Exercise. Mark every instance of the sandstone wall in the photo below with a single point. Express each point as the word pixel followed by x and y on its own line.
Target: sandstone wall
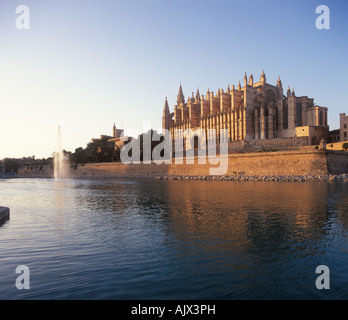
pixel 33 172
pixel 118 169
pixel 337 162
pixel 299 162
pixel 270 163
pixel 335 145
pixel 276 143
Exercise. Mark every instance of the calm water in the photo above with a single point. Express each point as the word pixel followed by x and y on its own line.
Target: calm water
pixel 173 239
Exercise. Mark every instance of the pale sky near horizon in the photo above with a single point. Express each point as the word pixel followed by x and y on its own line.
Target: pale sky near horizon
pixel 84 65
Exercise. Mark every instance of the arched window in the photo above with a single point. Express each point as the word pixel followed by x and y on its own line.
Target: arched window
pixel 195 142
pixel 299 114
pixel 321 118
pixel 285 115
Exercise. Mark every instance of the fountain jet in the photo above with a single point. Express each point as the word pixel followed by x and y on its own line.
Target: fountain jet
pixel 60 165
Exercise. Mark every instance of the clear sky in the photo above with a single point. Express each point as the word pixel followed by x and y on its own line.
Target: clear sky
pixel 86 64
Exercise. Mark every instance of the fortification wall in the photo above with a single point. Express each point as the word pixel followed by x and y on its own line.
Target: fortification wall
pixel 36 172
pixel 276 143
pixel 338 146
pixel 337 162
pixel 298 162
pixel 268 163
pixel 118 169
pixel 98 170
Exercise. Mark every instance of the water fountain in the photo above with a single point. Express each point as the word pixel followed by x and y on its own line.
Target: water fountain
pixel 60 165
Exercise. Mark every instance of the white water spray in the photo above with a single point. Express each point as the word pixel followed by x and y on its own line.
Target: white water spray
pixel 61 168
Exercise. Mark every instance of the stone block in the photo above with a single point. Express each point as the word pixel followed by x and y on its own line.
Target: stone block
pixel 4 214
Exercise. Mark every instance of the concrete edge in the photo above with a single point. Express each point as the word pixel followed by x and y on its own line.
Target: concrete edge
pixel 4 213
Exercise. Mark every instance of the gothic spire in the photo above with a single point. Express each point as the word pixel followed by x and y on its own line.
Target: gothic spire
pixel 263 78
pixel 198 97
pixel 245 79
pixel 208 94
pixel 251 80
pixel 180 97
pixel 166 106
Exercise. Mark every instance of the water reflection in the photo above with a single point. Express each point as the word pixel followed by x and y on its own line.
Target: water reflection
pixel 247 212
pixel 113 196
pixel 224 216
pixel 254 231
pixel 60 188
pixel 146 239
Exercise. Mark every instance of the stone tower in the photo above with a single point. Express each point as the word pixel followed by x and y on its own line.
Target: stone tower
pixel 114 131
pixel 166 116
pixel 180 98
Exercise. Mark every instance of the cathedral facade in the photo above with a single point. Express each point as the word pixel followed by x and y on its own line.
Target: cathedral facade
pixel 256 110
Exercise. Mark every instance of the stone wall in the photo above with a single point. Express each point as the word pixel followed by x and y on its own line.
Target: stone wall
pixel 35 172
pixel 276 143
pixel 265 163
pixel 337 162
pixel 297 162
pixel 335 145
pixel 118 169
pixel 314 134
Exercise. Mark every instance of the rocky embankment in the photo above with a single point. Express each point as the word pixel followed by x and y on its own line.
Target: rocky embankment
pixel 275 178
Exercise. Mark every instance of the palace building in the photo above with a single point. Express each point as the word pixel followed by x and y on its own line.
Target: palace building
pixel 117 137
pixel 254 111
pixel 343 127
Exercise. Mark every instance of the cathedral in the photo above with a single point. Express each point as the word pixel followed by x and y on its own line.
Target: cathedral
pixel 254 111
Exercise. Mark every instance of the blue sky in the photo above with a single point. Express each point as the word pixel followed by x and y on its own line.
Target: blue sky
pixel 84 65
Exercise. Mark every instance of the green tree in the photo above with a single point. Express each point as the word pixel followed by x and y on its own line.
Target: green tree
pixel 79 156
pixel 100 150
pixel 11 165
